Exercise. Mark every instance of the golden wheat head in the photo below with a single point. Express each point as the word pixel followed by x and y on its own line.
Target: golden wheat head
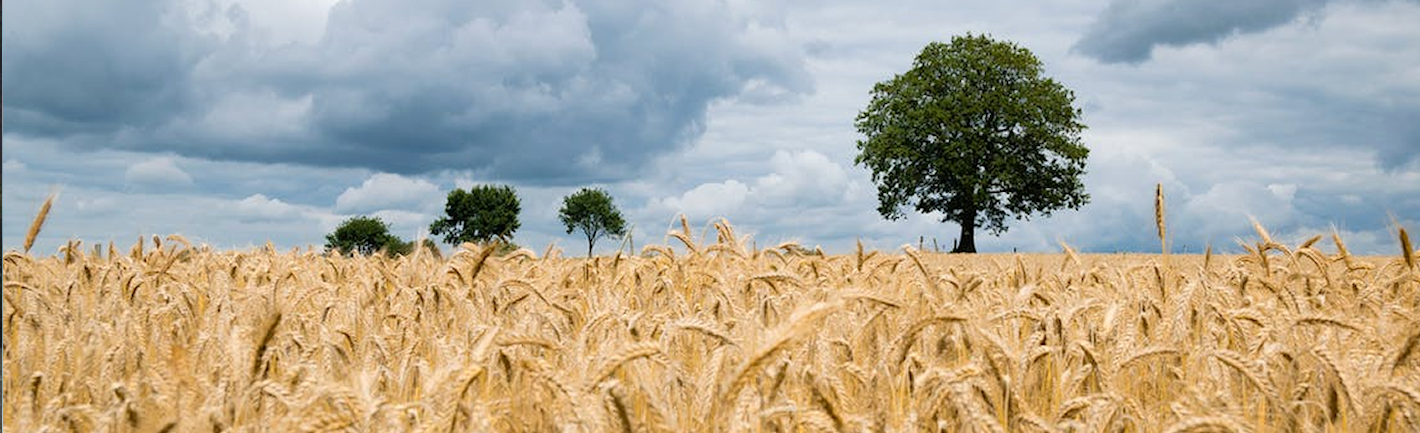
pixel 33 232
pixel 1407 252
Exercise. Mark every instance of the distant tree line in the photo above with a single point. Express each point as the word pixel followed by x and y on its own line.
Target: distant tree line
pixel 369 235
pixel 484 215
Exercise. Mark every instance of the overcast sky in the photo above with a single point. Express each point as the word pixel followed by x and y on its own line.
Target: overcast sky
pixel 238 122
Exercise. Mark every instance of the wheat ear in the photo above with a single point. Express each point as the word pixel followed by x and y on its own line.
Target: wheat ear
pixel 1212 423
pixel 1308 243
pixel 1341 247
pixel 38 222
pixel 799 324
pixel 1407 252
pixel 1159 216
pixel 1145 353
pixel 1262 232
pixel 1406 349
pixel 1070 254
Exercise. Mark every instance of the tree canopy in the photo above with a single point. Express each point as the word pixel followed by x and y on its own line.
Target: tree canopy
pixel 364 235
pixel 976 132
pixel 482 214
pixel 592 212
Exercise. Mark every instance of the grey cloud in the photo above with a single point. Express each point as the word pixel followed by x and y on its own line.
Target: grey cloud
pixel 523 91
pixel 1311 115
pixel 1128 30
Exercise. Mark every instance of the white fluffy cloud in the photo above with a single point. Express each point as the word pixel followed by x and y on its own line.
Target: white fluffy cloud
pixel 405 224
pixel 259 207
pixel 13 165
pixel 799 180
pixel 709 200
pixel 384 191
pixel 802 179
pixel 277 21
pixel 160 172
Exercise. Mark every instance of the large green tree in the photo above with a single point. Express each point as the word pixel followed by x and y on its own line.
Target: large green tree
pixel 482 214
pixel 976 132
pixel 592 212
pixel 364 235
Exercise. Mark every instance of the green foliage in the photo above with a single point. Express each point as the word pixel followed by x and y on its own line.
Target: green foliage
pixel 592 212
pixel 364 235
pixel 506 248
pixel 801 250
pixel 430 246
pixel 404 248
pixel 974 131
pixel 481 214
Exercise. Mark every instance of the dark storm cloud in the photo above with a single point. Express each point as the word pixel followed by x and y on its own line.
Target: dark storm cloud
pixel 545 92
pixel 1293 119
pixel 1297 88
pixel 1128 30
pixel 1390 130
pixel 76 67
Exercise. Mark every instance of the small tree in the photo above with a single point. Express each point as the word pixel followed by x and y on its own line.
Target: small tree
pixel 363 235
pixel 592 212
pixel 481 214
pixel 974 131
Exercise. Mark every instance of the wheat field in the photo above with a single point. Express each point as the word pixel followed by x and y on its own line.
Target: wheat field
pixel 709 335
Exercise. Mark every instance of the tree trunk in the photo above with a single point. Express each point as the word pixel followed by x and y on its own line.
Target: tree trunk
pixel 590 241
pixel 968 234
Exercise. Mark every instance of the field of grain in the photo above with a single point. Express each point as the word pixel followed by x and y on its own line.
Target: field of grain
pixel 709 336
